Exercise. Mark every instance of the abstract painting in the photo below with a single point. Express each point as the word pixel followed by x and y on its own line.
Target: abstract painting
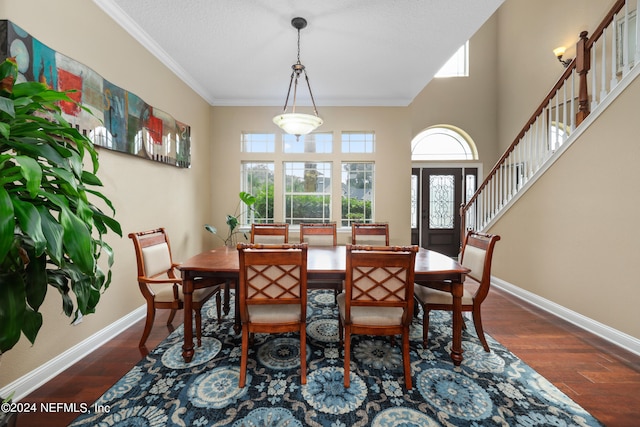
pixel 119 120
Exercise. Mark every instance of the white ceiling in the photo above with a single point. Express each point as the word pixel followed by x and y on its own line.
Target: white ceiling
pixel 356 52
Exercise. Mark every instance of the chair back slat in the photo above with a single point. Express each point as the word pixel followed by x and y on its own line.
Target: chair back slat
pixel 319 234
pixel 270 233
pixel 370 234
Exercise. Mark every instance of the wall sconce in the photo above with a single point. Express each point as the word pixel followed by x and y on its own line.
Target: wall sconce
pixel 559 52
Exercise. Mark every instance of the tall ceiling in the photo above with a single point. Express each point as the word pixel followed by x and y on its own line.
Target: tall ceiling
pixel 356 52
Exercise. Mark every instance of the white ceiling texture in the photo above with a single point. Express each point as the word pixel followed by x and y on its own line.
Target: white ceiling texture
pixel 356 52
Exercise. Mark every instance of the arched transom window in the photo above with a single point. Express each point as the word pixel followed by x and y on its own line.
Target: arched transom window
pixel 443 143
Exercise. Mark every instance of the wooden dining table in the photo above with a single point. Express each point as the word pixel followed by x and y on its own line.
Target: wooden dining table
pixel 323 263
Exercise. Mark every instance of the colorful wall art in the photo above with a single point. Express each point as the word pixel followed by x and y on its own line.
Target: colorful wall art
pixel 120 120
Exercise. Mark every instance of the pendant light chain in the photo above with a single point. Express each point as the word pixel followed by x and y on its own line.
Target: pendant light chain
pixel 296 123
pixel 298 45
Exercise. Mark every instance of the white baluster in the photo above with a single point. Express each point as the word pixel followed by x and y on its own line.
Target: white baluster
pixel 603 89
pixel 637 55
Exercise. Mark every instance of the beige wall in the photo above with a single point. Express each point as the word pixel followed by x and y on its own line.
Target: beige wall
pixel 145 194
pixel 528 31
pixel 469 103
pixel 572 238
pixel 392 160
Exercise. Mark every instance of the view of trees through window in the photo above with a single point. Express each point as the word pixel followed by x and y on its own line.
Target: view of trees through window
pixel 307 192
pixel 257 179
pixel 357 193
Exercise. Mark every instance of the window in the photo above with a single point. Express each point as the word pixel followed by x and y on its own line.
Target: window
pixel 443 143
pixel 308 179
pixel 626 36
pixel 558 133
pixel 258 142
pixel 307 192
pixel 358 142
pixel 414 201
pixel 311 143
pixel 441 201
pixel 357 193
pixel 457 65
pixel 257 179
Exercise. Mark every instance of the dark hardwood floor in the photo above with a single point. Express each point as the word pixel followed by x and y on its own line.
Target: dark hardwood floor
pixel 601 377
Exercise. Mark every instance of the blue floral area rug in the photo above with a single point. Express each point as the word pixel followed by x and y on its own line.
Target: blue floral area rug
pixel 493 388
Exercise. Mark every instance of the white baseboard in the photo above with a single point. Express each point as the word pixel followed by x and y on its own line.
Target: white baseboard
pixel 34 379
pixel 614 336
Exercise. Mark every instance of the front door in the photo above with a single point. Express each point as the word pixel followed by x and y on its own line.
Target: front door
pixel 441 193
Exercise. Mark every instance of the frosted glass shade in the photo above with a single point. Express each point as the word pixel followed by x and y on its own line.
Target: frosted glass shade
pixel 296 123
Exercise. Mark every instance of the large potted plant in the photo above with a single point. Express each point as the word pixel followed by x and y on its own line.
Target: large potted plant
pixel 51 233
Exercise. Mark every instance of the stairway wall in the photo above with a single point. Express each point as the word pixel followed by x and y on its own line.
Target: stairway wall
pixel 572 237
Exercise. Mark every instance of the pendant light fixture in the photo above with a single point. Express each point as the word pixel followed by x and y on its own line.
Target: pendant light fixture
pixel 297 123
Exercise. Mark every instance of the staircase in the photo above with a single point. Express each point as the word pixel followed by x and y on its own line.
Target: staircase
pixel 604 65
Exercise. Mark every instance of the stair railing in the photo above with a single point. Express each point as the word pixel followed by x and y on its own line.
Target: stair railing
pixel 601 61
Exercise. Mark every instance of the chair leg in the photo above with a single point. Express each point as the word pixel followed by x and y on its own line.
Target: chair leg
pixel 406 357
pixel 477 322
pixel 425 326
pixel 198 326
pixel 244 356
pixel 219 306
pixel 303 353
pixel 151 315
pixel 347 356
pixel 227 296
pixel 172 316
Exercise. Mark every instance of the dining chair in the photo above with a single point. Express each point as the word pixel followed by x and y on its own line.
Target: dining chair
pixel 161 286
pixel 270 233
pixel 476 255
pixel 378 298
pixel 370 234
pixel 272 295
pixel 321 234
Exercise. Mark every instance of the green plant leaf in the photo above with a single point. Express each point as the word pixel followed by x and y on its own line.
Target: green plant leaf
pixel 31 324
pixel 12 307
pixel 232 222
pixel 36 280
pixel 30 222
pixel 248 198
pixel 91 179
pixel 59 280
pixel 52 231
pixel 32 173
pixel 6 105
pixel 28 89
pixel 77 241
pixel 7 223
pixel 35 148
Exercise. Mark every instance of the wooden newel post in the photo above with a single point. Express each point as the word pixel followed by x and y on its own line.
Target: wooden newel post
pixel 583 63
